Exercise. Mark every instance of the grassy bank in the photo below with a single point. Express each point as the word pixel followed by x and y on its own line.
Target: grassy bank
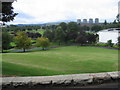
pixel 62 60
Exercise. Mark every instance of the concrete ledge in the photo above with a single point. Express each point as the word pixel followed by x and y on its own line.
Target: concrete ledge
pixel 61 80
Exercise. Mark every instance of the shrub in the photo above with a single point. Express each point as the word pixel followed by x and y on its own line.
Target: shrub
pixel 6 40
pixel 43 42
pixel 22 41
pixel 115 46
pixel 102 44
pixel 109 43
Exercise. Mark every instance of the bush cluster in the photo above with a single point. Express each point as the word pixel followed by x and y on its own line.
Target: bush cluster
pixel 108 44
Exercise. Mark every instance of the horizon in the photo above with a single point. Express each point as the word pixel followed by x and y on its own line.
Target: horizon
pixel 47 11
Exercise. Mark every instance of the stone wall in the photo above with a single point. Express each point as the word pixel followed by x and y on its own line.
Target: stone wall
pixel 60 80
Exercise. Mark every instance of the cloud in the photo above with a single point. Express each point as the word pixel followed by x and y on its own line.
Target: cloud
pixel 39 11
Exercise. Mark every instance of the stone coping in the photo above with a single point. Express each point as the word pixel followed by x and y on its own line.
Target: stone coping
pixel 60 80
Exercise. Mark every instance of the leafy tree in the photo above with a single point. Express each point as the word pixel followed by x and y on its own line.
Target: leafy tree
pixel 119 41
pixel 114 22
pixel 91 38
pixel 22 41
pixel 105 23
pixel 72 27
pixel 118 17
pixel 63 26
pixel 6 39
pixel 96 28
pixel 85 28
pixel 59 35
pixel 109 43
pixel 72 31
pixel 42 42
pixel 50 34
pixel 7 12
pixel 81 38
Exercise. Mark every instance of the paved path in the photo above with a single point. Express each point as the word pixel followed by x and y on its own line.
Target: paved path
pixel 27 50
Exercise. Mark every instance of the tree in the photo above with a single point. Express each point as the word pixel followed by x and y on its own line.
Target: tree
pixel 109 43
pixel 22 41
pixel 91 38
pixel 85 28
pixel 59 35
pixel 7 12
pixel 72 27
pixel 117 17
pixel 72 31
pixel 96 28
pixel 42 42
pixel 50 34
pixel 6 39
pixel 63 26
pixel 81 38
pixel 105 23
pixel 114 22
pixel 119 41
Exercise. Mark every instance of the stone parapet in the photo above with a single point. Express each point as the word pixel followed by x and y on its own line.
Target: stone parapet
pixel 61 80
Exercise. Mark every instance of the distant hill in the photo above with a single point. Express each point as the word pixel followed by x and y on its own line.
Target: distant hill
pixel 49 23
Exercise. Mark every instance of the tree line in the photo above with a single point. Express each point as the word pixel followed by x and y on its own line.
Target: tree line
pixel 64 33
pixel 22 41
pixel 92 28
pixel 70 33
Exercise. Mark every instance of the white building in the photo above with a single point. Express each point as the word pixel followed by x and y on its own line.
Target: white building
pixel 109 34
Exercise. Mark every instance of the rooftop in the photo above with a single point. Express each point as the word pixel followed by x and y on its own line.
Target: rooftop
pixel 111 30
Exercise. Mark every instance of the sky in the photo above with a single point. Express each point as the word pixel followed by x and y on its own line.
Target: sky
pixel 43 11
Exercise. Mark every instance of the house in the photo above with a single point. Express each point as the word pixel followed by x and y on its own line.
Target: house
pixel 109 34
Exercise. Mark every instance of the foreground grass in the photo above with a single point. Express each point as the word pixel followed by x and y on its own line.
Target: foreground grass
pixel 62 60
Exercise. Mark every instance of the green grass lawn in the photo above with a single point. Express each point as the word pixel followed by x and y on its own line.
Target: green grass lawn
pixel 62 60
pixel 41 31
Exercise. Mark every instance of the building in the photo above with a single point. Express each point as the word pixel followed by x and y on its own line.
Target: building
pixel 109 34
pixel 90 20
pixel 96 20
pixel 84 21
pixel 78 21
pixel 88 23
